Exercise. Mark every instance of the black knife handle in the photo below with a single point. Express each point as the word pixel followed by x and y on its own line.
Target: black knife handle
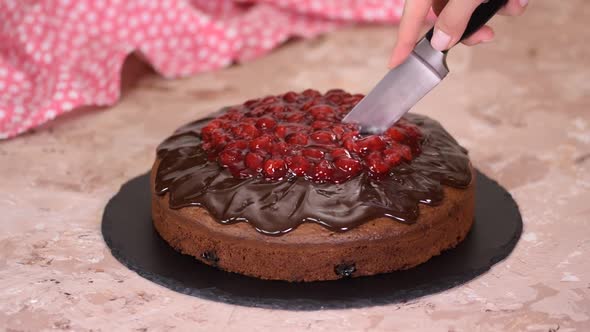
pixel 482 14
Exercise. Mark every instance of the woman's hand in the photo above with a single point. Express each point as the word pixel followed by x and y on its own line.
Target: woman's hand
pixel 453 16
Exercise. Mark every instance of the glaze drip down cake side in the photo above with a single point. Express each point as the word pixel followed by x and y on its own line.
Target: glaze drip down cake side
pixel 279 188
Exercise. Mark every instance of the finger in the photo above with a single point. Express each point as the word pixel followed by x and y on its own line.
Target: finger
pixel 514 8
pixel 483 35
pixel 451 23
pixel 413 17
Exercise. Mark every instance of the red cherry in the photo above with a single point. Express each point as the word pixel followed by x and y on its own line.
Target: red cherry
pixel 290 97
pixel 263 143
pixel 276 109
pixel 350 144
pixel 321 112
pixel 371 143
pixel 233 116
pixel 309 104
pixel 211 126
pixel 348 165
pixel 406 152
pixel 338 131
pixel 257 112
pixel 313 153
pixel 250 131
pixel 247 131
pixel 215 123
pixel 335 92
pixel 296 117
pixel 311 93
pixel 249 121
pixel 229 157
pixel 395 134
pixel 218 139
pixel 253 161
pixel 392 156
pixel 376 164
pixel 323 171
pixel 266 123
pixel 323 137
pixel 349 135
pixel 281 131
pixel 238 145
pixel 208 130
pixel 319 124
pixel 335 98
pixel 279 149
pixel 339 153
pixel 354 99
pixel 269 100
pixel 275 169
pixel 296 138
pixel 252 103
pixel 298 165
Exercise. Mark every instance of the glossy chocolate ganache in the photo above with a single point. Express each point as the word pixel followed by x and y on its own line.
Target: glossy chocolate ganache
pixel 281 161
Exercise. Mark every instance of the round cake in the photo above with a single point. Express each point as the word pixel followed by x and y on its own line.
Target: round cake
pixel 279 188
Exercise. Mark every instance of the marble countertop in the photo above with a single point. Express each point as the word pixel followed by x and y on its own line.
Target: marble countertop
pixel 521 105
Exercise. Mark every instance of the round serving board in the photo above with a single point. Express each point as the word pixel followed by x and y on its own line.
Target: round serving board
pixel 128 231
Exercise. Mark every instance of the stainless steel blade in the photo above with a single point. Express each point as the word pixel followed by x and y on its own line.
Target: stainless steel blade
pixel 400 89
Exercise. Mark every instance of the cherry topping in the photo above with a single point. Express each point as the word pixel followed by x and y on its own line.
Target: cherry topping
pixel 348 167
pixel 321 124
pixel 392 156
pixel 311 93
pixel 296 138
pixel 247 131
pixel 280 149
pixel 296 117
pixel 263 143
pixel 266 123
pixel 290 97
pixel 323 171
pixel 340 152
pixel 238 145
pixel 301 135
pixel 323 137
pixel 254 161
pixel 370 143
pixel 281 131
pixel 321 112
pixel 376 164
pixel 313 153
pixel 275 169
pixel 298 165
pixel 229 157
pixel 395 134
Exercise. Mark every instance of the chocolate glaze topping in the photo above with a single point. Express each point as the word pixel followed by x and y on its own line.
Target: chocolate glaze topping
pixel 275 207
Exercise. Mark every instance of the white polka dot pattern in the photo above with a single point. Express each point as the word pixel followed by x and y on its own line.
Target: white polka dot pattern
pixel 57 55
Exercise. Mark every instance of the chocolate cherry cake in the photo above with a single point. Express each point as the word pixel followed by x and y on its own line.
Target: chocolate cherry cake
pixel 279 188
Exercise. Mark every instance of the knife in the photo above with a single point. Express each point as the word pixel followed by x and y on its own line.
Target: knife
pixel 403 86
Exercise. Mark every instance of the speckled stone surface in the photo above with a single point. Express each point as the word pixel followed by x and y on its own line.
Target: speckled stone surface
pixel 521 105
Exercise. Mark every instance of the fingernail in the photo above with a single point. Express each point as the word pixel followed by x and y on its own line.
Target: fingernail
pixel 523 3
pixel 440 40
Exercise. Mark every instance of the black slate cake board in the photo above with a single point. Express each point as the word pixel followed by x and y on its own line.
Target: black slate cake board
pixel 128 231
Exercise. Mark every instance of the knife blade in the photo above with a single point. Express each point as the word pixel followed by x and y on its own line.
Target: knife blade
pixel 405 85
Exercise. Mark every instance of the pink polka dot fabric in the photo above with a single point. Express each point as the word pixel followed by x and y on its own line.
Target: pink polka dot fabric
pixel 57 55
